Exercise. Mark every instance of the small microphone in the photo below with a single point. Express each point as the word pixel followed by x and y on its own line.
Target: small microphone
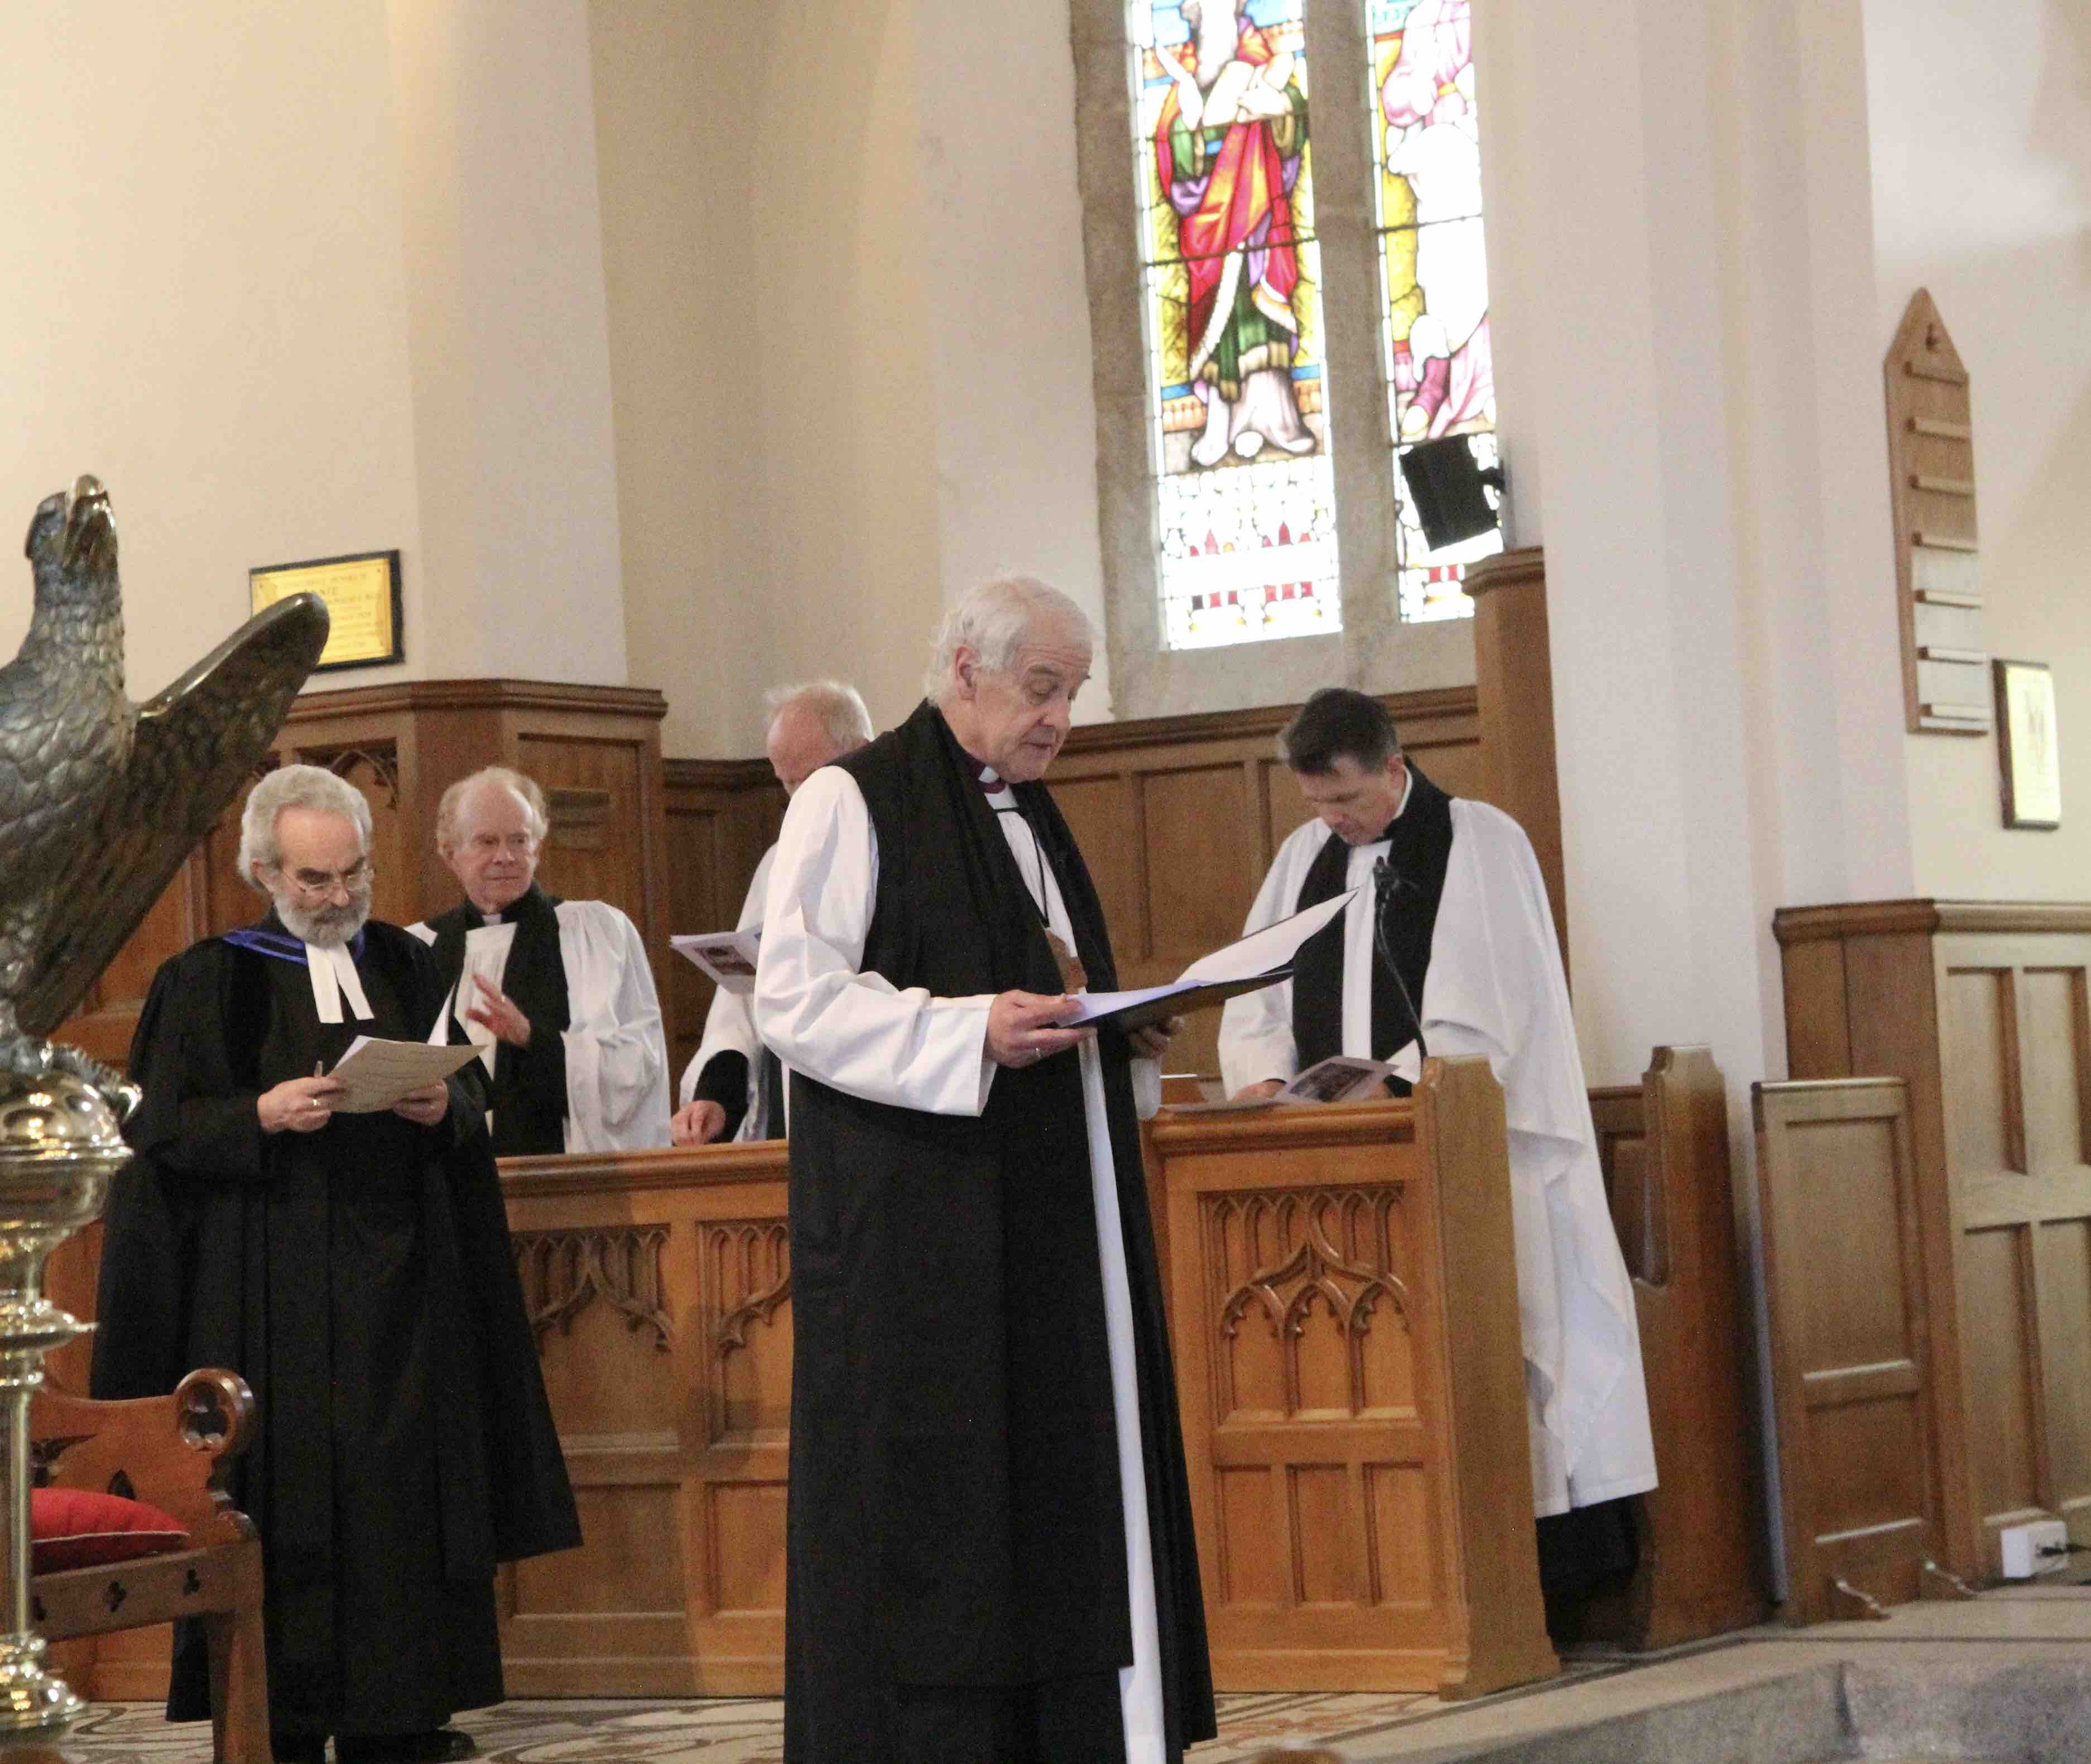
pixel 1387 883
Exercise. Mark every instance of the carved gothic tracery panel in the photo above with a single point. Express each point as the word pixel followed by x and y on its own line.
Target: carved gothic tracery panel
pixel 1284 1255
pixel 564 1272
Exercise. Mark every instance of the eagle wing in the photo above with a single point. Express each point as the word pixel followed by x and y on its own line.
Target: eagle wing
pixel 196 744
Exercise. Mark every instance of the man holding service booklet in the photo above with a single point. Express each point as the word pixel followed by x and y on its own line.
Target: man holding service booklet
pixel 733 1087
pixel 989 1536
pixel 355 1268
pixel 1446 947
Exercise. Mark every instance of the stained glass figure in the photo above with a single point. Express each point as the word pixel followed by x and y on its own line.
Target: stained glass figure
pixel 1237 389
pixel 1441 379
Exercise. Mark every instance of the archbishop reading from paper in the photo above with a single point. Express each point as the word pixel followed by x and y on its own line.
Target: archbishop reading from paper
pixel 1463 913
pixel 990 1554
pixel 355 1271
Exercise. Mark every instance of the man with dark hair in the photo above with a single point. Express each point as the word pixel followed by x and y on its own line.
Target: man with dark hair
pixel 1449 945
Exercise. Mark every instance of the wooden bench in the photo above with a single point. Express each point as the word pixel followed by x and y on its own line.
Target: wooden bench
pixel 1664 1147
pixel 173 1453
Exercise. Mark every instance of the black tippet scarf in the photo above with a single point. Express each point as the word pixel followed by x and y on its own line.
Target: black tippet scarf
pixel 955 1512
pixel 1420 845
pixel 527 1097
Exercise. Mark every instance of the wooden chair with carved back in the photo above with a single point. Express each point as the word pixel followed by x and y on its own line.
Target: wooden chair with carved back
pixel 172 1453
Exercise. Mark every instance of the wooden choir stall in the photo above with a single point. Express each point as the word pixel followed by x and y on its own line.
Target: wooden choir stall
pixel 1339 1280
pixel 1344 1316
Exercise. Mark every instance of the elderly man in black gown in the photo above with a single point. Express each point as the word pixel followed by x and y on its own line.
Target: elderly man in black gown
pixel 355 1268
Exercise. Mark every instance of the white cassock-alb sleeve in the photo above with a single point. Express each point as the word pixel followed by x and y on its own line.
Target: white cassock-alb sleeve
pixel 730 1022
pixel 1496 989
pixel 854 1032
pixel 617 1051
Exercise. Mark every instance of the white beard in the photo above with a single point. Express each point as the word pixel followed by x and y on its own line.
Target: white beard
pixel 328 927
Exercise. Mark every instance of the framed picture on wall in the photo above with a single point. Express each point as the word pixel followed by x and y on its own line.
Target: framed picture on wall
pixel 362 595
pixel 2027 753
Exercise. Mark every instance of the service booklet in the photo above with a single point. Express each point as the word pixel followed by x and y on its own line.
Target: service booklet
pixel 1339 1078
pixel 1262 958
pixel 727 956
pixel 375 1074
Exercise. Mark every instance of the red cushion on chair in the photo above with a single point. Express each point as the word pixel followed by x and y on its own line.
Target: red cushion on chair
pixel 71 1528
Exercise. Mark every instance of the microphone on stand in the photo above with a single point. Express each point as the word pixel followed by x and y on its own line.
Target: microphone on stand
pixel 1387 883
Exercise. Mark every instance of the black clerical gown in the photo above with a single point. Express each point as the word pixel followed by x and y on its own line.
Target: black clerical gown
pixel 957 1564
pixel 527 1097
pixel 359 1278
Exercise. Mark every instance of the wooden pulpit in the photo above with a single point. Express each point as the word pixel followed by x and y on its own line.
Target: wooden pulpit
pixel 1342 1293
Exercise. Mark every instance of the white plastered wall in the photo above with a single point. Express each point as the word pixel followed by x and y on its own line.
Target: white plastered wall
pixel 850 345
pixel 205 303
pixel 302 280
pixel 1981 185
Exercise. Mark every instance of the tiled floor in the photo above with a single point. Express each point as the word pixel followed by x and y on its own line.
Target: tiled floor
pixel 2043 1622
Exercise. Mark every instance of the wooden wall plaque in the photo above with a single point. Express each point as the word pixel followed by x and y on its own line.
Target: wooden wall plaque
pixel 1931 477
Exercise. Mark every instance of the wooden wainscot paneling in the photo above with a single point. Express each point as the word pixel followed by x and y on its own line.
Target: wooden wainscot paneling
pixel 723 815
pixel 1664 1146
pixel 1860 1494
pixel 1344 1311
pixel 1981 1008
pixel 659 1288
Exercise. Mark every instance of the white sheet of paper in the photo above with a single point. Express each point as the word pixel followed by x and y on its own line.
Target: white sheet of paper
pixel 375 1074
pixel 1262 957
pixel 1272 947
pixel 727 956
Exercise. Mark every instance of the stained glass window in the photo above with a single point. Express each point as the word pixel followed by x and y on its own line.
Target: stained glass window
pixel 1441 380
pixel 1237 391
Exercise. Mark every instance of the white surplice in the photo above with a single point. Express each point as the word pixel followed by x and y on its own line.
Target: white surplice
pixel 730 1026
pixel 616 1047
pixel 858 1034
pixel 1495 988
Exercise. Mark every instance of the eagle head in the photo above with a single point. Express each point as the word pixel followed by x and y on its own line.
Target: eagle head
pixel 73 529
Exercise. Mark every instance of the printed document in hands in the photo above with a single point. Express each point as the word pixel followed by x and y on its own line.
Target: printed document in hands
pixel 1262 958
pixel 727 956
pixel 375 1074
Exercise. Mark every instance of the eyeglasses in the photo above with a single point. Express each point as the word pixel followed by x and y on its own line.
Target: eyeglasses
pixel 318 884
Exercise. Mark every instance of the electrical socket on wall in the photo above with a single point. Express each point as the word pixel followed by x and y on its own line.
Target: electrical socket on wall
pixel 2022 1545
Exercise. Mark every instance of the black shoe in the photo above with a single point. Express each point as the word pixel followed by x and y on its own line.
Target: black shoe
pixel 299 1747
pixel 436 1746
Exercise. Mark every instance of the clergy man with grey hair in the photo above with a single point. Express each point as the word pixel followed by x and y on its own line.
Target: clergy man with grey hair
pixel 558 993
pixel 355 1269
pixel 990 1555
pixel 734 1086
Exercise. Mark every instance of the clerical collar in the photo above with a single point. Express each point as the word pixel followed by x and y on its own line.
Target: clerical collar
pixel 1386 832
pixel 984 774
pixel 531 901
